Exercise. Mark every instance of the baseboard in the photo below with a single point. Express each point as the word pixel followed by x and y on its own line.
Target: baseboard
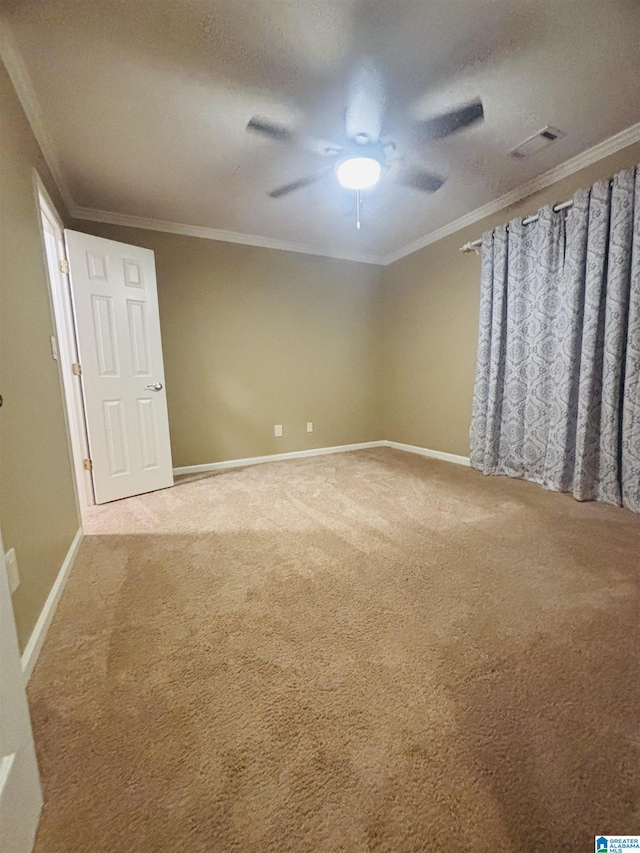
pixel 320 451
pixel 39 633
pixel 275 457
pixel 432 454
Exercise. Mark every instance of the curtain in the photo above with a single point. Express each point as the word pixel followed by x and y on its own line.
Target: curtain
pixel 557 387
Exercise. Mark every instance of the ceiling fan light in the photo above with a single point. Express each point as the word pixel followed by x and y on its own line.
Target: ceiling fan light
pixel 358 173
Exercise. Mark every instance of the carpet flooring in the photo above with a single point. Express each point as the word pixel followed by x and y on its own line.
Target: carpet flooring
pixel 368 651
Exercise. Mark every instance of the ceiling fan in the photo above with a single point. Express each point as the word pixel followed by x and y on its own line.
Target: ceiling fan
pixel 368 152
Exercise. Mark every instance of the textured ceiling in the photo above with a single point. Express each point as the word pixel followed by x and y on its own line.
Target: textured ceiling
pixel 146 103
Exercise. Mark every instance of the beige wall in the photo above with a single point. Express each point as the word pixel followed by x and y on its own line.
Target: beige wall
pixel 254 337
pixel 38 514
pixel 431 324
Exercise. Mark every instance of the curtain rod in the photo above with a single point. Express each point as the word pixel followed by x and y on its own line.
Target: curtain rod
pixel 474 246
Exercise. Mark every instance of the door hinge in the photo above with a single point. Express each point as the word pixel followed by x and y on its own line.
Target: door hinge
pixel 64 266
pixel 88 465
pixel 76 369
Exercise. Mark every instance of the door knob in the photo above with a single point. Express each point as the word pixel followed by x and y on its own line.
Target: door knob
pixel 156 387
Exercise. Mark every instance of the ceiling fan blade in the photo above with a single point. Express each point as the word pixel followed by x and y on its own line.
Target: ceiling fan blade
pixel 270 129
pixel 365 104
pixel 419 179
pixel 299 184
pixel 437 127
pixel 280 133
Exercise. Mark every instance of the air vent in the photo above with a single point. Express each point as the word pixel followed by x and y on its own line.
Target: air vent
pixel 540 140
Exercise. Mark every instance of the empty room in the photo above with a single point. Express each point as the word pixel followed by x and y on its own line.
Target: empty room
pixel 319 426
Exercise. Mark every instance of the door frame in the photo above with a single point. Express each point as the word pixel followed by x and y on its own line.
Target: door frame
pixel 20 785
pixel 64 344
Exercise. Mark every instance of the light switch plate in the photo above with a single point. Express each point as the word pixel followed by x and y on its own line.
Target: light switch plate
pixel 11 563
pixel 277 430
pixel 309 426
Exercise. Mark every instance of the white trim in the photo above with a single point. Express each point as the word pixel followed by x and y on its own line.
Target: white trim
pixel 21 80
pixel 432 454
pixel 62 316
pixel 112 218
pixel 580 161
pixel 39 633
pixel 320 451
pixel 5 768
pixel 42 190
pixel 275 457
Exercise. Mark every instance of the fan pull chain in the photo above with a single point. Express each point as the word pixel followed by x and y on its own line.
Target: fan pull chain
pixel 358 202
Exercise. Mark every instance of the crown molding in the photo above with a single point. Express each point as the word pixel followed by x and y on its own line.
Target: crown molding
pixel 21 80
pixel 112 218
pixel 580 161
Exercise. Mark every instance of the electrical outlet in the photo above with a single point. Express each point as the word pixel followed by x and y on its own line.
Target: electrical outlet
pixel 277 430
pixel 309 426
pixel 12 569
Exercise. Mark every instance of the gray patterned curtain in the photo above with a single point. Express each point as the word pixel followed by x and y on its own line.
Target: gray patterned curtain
pixel 557 389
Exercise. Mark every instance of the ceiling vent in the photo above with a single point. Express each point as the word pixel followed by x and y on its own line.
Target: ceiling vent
pixel 542 139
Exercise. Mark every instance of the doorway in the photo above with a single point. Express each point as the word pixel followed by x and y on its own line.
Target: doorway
pixel 64 346
pixel 108 346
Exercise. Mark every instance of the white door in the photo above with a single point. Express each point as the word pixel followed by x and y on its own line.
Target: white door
pixel 20 792
pixel 115 302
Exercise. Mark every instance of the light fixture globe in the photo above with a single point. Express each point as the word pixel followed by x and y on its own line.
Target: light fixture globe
pixel 358 173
